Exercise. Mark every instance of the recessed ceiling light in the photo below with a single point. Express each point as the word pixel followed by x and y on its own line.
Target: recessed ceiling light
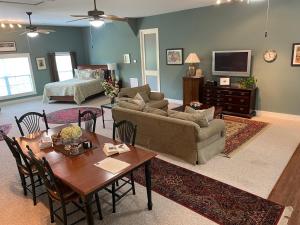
pixel 11 25
pixel 219 2
pixel 19 25
pixel 3 25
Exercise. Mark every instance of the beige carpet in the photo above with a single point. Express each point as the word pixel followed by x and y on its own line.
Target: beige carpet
pixel 255 169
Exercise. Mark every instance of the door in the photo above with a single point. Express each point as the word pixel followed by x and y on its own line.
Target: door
pixel 150 58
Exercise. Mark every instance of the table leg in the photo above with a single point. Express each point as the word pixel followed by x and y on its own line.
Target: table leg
pixel 148 183
pixel 102 111
pixel 88 209
pixel 113 190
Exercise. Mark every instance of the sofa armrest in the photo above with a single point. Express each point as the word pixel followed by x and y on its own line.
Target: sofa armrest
pixel 156 96
pixel 216 126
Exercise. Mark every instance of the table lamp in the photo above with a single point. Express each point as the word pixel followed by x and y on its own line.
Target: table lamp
pixel 192 60
pixel 112 67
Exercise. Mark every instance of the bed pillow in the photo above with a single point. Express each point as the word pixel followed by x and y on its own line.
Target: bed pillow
pixel 98 74
pixel 85 74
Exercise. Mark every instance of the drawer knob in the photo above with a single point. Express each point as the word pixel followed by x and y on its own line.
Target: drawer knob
pixel 229 107
pixel 230 99
pixel 242 100
pixel 242 109
pixel 230 92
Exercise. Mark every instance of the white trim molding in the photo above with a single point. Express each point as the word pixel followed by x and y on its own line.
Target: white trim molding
pixel 21 100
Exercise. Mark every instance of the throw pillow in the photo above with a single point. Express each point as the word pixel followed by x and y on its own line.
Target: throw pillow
pixel 138 100
pixel 128 105
pixel 155 111
pixel 145 96
pixel 209 113
pixel 198 118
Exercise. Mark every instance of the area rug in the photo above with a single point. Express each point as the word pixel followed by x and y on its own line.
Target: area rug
pixel 5 128
pixel 69 115
pixel 212 199
pixel 240 130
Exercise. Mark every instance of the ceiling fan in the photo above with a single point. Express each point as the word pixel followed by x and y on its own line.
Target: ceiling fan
pixel 97 17
pixel 33 31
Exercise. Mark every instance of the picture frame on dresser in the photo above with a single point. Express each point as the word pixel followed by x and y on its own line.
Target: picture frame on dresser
pixel 224 81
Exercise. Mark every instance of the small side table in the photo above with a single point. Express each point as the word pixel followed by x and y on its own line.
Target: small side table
pixel 106 106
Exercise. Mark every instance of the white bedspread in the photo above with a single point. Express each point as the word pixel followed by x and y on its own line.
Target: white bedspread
pixel 80 89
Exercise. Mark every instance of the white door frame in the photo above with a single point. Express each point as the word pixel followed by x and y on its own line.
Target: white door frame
pixel 143 63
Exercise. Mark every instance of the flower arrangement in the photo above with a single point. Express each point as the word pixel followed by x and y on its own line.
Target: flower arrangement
pixel 249 82
pixel 71 132
pixel 111 88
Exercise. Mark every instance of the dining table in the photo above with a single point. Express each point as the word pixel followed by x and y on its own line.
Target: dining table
pixel 80 173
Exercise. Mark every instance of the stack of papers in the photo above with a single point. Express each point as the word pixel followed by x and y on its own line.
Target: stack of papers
pixel 111 149
pixel 112 165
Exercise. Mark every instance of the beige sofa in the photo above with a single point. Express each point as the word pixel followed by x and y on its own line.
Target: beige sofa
pixel 183 139
pixel 154 99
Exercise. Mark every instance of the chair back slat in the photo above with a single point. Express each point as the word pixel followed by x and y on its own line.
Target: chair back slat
pixel 125 131
pixel 46 173
pixel 31 121
pixel 17 152
pixel 89 118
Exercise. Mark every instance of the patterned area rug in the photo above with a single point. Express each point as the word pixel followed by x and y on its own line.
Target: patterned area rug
pixel 240 130
pixel 70 115
pixel 5 128
pixel 217 201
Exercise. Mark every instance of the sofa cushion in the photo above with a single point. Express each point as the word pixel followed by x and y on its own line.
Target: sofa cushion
pixel 158 104
pixel 155 111
pixel 198 118
pixel 131 92
pixel 130 105
pixel 209 113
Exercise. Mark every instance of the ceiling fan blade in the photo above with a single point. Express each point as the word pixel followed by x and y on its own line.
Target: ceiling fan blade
pixel 112 17
pixel 85 18
pixel 79 15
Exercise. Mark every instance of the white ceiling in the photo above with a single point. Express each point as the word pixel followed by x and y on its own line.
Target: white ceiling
pixel 56 12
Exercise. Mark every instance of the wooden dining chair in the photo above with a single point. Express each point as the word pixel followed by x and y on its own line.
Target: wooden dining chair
pixel 59 192
pixel 25 168
pixel 125 131
pixel 89 118
pixel 31 121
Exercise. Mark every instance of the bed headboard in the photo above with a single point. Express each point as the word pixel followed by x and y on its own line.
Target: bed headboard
pixel 93 67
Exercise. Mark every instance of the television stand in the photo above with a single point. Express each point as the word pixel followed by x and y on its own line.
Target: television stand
pixel 234 101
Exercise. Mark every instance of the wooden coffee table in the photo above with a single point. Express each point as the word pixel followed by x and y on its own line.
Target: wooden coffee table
pixel 218 110
pixel 80 174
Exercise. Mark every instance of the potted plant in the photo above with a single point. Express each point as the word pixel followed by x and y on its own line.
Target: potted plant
pixel 111 90
pixel 249 82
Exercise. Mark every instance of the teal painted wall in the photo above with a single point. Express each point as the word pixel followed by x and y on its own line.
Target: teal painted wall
pixel 63 40
pixel 225 27
pixel 109 43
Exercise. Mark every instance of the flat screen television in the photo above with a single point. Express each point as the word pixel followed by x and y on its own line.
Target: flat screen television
pixel 231 63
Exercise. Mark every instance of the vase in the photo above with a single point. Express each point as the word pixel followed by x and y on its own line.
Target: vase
pixel 112 100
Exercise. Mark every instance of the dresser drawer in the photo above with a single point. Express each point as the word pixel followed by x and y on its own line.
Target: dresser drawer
pixel 236 108
pixel 233 92
pixel 237 100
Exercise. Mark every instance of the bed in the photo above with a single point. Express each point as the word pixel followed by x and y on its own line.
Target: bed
pixel 75 90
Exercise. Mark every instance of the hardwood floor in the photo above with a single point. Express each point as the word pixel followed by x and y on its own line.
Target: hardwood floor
pixel 287 189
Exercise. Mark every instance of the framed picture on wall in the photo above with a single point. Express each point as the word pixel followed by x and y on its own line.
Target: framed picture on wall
pixel 126 59
pixel 225 81
pixel 296 55
pixel 174 56
pixel 8 46
pixel 41 63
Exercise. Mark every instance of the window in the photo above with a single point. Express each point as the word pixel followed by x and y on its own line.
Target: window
pixel 16 78
pixel 64 66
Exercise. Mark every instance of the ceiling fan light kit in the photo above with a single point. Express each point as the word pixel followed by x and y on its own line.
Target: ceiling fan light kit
pixel 32 34
pixel 97 23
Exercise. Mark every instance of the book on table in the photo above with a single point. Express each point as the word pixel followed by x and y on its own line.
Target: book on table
pixel 111 149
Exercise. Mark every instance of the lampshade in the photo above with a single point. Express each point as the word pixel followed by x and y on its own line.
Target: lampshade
pixel 112 66
pixel 192 58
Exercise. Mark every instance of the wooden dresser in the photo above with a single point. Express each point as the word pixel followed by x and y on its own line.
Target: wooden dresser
pixel 235 101
pixel 192 89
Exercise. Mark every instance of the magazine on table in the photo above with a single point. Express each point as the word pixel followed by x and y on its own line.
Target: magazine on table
pixel 111 149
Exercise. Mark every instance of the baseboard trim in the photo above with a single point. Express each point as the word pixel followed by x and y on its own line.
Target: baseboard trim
pixel 278 115
pixel 21 100
pixel 176 101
